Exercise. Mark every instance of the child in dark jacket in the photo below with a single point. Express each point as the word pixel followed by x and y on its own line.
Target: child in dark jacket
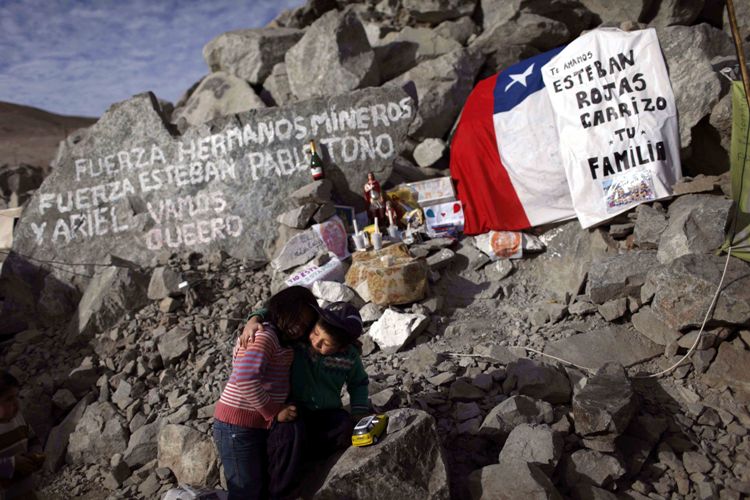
pixel 319 372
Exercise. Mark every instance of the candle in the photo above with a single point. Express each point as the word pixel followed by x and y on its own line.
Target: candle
pixel 390 217
pixel 359 241
pixel 377 228
pixel 356 227
pixel 377 241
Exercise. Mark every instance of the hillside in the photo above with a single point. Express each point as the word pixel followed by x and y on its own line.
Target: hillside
pixel 31 135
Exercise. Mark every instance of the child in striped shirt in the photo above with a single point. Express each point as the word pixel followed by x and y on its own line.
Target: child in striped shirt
pixel 321 368
pixel 253 406
pixel 20 450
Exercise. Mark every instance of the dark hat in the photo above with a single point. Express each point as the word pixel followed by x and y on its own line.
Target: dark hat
pixel 342 315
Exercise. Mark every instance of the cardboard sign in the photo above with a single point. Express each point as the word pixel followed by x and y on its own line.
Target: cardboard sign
pixel 333 270
pixel 617 121
pixel 450 213
pixel 433 191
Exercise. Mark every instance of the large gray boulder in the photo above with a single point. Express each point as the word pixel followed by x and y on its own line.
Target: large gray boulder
pixel 677 12
pixel 132 189
pixel 649 225
pixel 697 224
pixel 57 441
pixel 562 269
pixel 514 411
pixel 175 344
pixel 164 282
pixel 616 12
pixel 459 30
pixel 533 444
pixel 539 381
pixel 113 293
pixel 589 466
pixel 218 94
pixel 101 432
pixel 510 481
pixel 688 52
pixel 250 54
pixel 143 445
pixel 570 12
pixel 729 370
pixel 189 454
pixel 333 57
pixel 619 275
pixel 612 344
pixel 527 28
pixel 277 88
pixel 407 463
pixel 30 292
pixel 683 290
pixel 604 407
pixel 651 326
pixel 400 51
pixel 435 11
pixel 441 86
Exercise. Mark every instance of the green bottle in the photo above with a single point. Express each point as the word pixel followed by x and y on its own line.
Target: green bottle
pixel 316 164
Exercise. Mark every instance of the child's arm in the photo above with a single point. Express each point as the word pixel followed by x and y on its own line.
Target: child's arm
pixel 251 366
pixel 357 384
pixel 253 325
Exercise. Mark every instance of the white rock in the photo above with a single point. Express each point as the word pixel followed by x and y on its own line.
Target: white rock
pixel 429 152
pixel 394 329
pixel 330 291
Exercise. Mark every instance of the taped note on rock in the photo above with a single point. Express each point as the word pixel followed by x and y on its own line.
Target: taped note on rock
pixel 617 121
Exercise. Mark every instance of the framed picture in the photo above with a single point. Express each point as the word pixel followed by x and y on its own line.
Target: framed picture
pixel 346 214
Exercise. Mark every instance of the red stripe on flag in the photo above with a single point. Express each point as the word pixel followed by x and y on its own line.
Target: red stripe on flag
pixel 481 181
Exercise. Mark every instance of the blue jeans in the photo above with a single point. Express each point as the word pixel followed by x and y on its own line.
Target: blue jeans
pixel 243 453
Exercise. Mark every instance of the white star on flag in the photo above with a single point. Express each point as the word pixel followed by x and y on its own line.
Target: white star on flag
pixel 520 78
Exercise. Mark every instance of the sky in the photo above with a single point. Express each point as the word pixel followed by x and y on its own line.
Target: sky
pixel 79 57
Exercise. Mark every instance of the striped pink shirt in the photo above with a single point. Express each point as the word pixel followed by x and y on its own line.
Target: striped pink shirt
pixel 259 384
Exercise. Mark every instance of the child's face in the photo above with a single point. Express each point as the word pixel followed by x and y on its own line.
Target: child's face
pixel 302 326
pixel 8 404
pixel 322 342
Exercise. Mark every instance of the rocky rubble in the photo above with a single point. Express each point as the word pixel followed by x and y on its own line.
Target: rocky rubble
pixel 139 394
pixel 123 393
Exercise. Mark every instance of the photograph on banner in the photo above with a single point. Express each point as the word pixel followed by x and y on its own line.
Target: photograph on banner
pixel 333 234
pixel 501 244
pixel 616 120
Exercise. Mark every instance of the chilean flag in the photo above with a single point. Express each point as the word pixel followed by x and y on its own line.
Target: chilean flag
pixel 505 154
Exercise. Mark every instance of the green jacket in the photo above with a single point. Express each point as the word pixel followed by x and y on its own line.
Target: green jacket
pixel 317 380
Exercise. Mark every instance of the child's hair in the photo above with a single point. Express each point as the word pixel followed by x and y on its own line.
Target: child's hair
pixel 292 312
pixel 8 382
pixel 339 336
pixel 342 322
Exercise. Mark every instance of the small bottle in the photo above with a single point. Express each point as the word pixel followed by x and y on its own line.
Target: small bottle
pixel 316 164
